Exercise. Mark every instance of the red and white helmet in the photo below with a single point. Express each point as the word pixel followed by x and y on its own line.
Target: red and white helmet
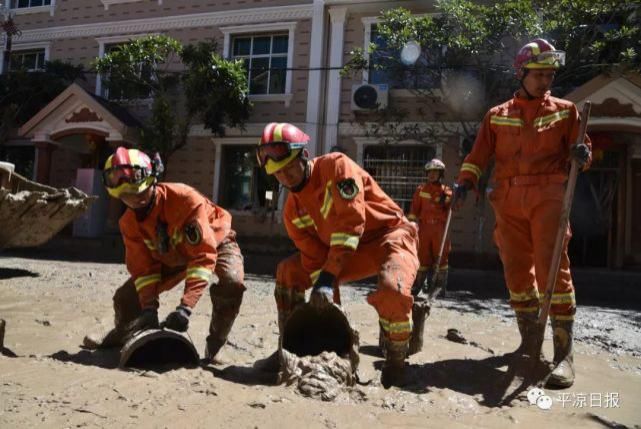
pixel 435 164
pixel 128 171
pixel 538 54
pixel 279 144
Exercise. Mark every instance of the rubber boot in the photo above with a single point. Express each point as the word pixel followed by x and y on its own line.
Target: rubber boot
pixel 272 363
pixel 126 310
pixel 394 366
pixel 528 328
pixel 563 373
pixel 420 283
pixel 420 311
pixel 225 306
pixel 112 338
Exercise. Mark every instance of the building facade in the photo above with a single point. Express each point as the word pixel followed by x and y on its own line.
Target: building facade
pixel 300 47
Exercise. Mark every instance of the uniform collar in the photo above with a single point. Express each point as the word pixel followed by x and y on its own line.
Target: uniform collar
pixel 524 102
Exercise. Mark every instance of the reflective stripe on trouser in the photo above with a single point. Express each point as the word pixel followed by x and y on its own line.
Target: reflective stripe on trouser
pixel 392 257
pixel 429 244
pixel 527 219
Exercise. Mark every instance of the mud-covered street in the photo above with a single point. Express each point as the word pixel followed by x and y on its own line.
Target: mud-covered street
pixel 455 382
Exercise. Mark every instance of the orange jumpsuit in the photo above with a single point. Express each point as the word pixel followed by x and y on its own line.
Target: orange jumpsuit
pixel 192 228
pixel 530 140
pixel 343 223
pixel 431 216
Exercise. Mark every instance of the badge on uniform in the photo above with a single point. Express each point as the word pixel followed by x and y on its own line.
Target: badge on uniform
pixel 193 233
pixel 348 188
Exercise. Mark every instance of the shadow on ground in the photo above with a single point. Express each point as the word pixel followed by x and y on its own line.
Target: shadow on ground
pixel 494 381
pixel 246 375
pixel 10 273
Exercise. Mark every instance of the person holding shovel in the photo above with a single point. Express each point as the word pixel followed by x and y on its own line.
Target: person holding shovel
pixel 345 228
pixel 171 233
pixel 430 205
pixel 532 138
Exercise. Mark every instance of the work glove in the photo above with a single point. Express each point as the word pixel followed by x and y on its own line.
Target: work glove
pixel 148 319
pixel 442 198
pixel 460 193
pixel 323 291
pixel 178 320
pixel 580 153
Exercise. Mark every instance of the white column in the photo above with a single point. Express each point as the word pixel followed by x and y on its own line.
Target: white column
pixel 217 163
pixel 337 17
pixel 314 98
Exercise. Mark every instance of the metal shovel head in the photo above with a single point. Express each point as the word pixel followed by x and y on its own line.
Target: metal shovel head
pixel 155 348
pixel 309 332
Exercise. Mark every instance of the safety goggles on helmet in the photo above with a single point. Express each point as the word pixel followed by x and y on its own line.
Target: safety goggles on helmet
pixel 546 59
pixel 125 174
pixel 276 151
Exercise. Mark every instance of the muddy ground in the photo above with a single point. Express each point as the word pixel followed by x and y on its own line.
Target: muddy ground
pixel 50 305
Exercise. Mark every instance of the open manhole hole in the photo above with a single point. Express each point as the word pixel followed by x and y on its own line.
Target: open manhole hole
pixel 309 332
pixel 158 348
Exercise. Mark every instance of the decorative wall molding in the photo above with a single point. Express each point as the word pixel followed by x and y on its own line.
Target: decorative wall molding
pixel 108 3
pixel 147 25
pixel 84 114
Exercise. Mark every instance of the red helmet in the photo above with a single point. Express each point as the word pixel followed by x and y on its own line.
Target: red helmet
pixel 538 54
pixel 279 144
pixel 128 171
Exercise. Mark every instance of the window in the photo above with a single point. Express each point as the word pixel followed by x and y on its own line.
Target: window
pixel 386 68
pixel 243 183
pixel 121 90
pixel 30 60
pixel 17 4
pixel 265 59
pixel 398 169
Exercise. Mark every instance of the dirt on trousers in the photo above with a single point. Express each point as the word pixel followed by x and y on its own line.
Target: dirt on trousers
pixel 50 305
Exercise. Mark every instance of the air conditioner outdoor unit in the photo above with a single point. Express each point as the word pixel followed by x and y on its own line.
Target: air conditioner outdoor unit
pixel 369 96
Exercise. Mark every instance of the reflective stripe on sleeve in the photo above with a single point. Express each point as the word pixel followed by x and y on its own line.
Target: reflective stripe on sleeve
pixel 344 239
pixel 144 281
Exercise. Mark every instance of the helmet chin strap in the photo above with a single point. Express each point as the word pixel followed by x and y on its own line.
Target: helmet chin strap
pixel 143 212
pixel 303 158
pixel 527 93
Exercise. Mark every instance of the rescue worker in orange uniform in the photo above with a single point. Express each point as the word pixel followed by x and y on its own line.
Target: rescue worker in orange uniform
pixel 171 233
pixel 430 205
pixel 532 138
pixel 345 228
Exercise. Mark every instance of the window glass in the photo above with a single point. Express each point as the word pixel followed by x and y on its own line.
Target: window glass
pixel 265 58
pixel 243 183
pixel 27 60
pixel 386 68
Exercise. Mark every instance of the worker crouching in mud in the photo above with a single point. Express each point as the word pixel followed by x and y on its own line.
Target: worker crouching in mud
pixel 171 233
pixel 345 228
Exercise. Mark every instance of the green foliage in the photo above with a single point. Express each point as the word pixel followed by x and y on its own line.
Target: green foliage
pixel 216 88
pixel 471 46
pixel 24 93
pixel 209 88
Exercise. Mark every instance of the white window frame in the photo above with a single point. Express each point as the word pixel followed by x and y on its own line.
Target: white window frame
pixel 235 141
pixel 113 40
pixel 289 27
pixel 26 47
pixel 107 3
pixel 34 9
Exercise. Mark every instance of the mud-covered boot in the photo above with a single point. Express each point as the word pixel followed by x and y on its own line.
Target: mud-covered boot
pixel 112 338
pixel 394 366
pixel 563 373
pixel 225 307
pixel 420 311
pixel 440 284
pixel 529 330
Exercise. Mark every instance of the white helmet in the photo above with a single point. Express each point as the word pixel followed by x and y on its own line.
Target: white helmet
pixel 435 164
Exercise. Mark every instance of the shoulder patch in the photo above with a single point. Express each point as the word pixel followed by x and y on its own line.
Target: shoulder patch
pixel 193 233
pixel 348 189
